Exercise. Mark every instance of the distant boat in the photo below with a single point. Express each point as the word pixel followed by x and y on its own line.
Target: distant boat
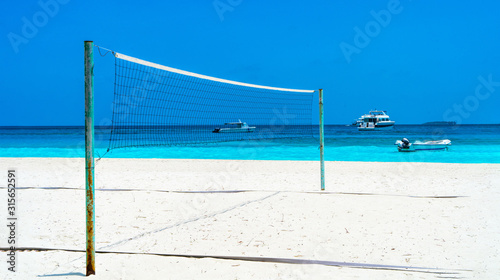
pixel 375 120
pixel 440 123
pixel 235 127
pixel 404 145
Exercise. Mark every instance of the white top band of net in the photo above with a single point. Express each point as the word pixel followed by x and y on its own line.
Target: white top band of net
pixel 182 72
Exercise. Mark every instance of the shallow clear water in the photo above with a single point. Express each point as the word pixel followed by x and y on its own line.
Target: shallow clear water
pixel 470 144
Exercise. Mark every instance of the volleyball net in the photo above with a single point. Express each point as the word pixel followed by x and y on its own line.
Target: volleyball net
pixel 156 105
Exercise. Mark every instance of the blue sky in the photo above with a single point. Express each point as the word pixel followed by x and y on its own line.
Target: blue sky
pixel 419 60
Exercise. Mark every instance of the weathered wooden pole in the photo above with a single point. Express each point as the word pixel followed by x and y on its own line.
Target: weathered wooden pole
pixel 321 140
pixel 89 154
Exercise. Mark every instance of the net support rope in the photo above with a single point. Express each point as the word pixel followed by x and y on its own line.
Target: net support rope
pixel 156 105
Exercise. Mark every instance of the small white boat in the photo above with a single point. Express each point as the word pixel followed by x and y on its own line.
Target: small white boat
pixel 235 127
pixel 404 145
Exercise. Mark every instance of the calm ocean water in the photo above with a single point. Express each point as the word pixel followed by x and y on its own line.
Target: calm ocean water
pixel 470 144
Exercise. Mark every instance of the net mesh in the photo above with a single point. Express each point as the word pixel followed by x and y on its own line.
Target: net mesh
pixel 155 106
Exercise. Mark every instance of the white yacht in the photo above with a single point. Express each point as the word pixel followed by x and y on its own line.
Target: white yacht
pixel 235 127
pixel 375 120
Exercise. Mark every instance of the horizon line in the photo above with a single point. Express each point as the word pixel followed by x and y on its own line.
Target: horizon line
pixel 101 126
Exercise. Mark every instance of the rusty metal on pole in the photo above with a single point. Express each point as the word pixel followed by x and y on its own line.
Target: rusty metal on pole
pixel 89 155
pixel 321 140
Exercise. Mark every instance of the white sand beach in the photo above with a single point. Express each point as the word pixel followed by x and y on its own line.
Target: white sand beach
pixel 229 219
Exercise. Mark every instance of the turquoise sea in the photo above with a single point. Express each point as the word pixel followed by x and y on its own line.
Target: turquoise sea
pixel 470 144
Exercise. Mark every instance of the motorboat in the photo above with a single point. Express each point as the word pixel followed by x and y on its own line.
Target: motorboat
pixel 235 127
pixel 375 120
pixel 404 145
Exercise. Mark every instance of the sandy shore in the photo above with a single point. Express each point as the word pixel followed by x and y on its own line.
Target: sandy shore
pixel 258 219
